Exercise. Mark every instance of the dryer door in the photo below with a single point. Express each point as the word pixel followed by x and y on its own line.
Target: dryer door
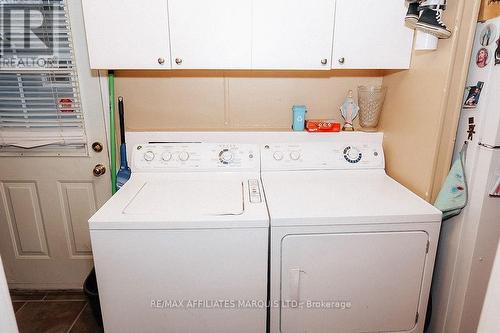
pixel 351 282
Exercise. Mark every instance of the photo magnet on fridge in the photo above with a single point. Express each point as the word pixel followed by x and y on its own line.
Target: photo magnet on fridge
pixel 482 57
pixel 488 35
pixel 472 95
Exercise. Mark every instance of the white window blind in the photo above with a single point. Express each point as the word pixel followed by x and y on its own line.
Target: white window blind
pixel 40 107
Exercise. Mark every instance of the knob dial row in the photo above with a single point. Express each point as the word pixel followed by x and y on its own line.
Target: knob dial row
pixel 166 156
pixel 294 155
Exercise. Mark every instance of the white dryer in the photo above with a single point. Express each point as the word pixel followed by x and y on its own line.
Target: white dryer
pixel 352 250
pixel 183 245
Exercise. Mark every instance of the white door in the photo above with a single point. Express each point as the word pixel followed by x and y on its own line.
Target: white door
pixel 371 34
pixel 368 282
pixel 48 193
pixel 127 34
pixel 292 34
pixel 210 34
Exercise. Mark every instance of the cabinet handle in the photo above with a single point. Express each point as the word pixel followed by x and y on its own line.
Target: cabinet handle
pixel 178 61
pixel 324 61
pixel 161 61
pixel 341 60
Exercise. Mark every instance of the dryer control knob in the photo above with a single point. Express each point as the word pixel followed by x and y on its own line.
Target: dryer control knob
pixel 295 155
pixel 352 154
pixel 149 156
pixel 166 156
pixel 278 156
pixel 184 156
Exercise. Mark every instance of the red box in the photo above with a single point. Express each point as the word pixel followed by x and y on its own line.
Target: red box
pixel 315 125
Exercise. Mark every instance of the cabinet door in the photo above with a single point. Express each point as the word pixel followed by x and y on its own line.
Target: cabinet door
pixel 351 282
pixel 210 34
pixel 127 34
pixel 292 34
pixel 371 34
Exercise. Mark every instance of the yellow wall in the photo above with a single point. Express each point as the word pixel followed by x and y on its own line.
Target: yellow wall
pixel 232 100
pixel 421 112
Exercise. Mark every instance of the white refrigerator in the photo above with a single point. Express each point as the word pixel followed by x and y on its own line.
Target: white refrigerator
pixel 469 241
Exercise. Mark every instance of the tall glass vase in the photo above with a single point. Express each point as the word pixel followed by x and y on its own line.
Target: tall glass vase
pixel 370 101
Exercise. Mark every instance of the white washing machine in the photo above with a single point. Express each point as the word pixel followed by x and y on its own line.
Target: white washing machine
pixel 352 250
pixel 183 245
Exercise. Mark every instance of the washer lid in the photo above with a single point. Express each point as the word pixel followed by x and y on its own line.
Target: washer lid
pixel 181 198
pixel 185 201
pixel 305 198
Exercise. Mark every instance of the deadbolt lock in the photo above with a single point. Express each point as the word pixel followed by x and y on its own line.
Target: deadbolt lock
pixel 99 170
pixel 97 147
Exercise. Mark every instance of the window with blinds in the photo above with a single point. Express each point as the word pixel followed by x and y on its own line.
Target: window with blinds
pixel 40 110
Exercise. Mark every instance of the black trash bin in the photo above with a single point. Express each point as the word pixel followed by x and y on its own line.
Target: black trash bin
pixel 92 292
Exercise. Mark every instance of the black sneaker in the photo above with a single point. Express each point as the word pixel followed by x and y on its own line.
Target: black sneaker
pixel 430 21
pixel 411 17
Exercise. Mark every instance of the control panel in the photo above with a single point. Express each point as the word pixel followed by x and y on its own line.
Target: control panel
pixel 195 157
pixel 254 191
pixel 322 156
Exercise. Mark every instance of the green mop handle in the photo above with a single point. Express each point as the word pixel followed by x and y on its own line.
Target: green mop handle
pixel 112 134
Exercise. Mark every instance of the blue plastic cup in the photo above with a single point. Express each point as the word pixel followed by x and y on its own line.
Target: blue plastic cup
pixel 299 117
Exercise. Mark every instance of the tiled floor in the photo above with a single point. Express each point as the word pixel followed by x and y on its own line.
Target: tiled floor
pixel 53 312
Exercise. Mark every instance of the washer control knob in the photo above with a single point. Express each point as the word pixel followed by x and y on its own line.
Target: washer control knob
pixel 295 155
pixel 149 156
pixel 278 156
pixel 184 156
pixel 226 156
pixel 166 156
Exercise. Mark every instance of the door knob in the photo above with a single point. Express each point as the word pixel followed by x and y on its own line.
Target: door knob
pixel 324 61
pixel 99 170
pixel 178 61
pixel 341 60
pixel 161 61
pixel 97 147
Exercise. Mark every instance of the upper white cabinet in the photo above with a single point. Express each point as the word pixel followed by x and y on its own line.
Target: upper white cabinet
pixel 127 34
pixel 247 34
pixel 371 34
pixel 292 34
pixel 210 34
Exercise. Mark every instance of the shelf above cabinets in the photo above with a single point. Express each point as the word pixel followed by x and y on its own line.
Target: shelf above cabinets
pixel 247 34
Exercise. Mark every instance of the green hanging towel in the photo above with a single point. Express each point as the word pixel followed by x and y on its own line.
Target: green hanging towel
pixel 453 195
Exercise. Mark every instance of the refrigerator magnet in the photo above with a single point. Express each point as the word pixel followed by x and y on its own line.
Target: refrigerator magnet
pixel 488 35
pixel 471 129
pixel 472 95
pixel 482 57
